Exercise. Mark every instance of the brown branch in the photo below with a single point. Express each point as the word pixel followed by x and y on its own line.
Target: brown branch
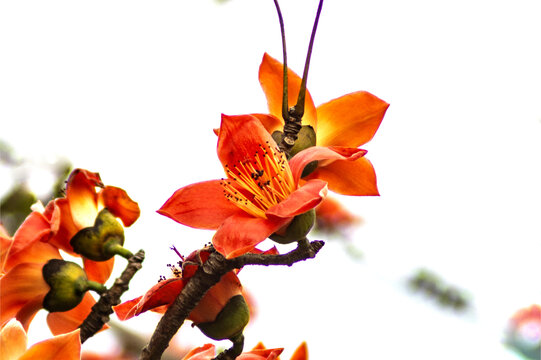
pixel 205 277
pixel 99 315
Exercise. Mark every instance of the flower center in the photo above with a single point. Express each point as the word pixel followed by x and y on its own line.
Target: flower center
pixel 265 176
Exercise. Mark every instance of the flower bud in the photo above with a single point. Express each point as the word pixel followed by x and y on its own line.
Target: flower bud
pixel 297 229
pixel 68 282
pixel 101 241
pixel 229 322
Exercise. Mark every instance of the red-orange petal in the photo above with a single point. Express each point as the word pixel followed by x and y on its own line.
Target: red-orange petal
pixel 34 228
pixel 99 271
pixel 66 321
pixel 21 285
pixel 301 353
pixel 163 293
pixel 59 214
pixel 38 252
pixel 117 201
pixel 301 200
pixel 349 177
pixel 216 298
pixel 271 80
pixel 271 123
pixel 261 354
pixel 205 352
pixel 241 233
pixel 201 205
pixel 82 196
pixel 323 154
pixel 12 340
pixel 240 138
pixel 65 347
pixel 350 120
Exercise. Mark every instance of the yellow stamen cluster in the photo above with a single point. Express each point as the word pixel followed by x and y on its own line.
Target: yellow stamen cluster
pixel 266 175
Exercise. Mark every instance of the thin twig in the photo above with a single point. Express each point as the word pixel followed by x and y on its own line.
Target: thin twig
pixel 99 315
pixel 205 277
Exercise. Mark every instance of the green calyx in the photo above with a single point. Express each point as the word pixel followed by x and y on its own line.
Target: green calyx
pixel 297 230
pixel 68 282
pixel 101 241
pixel 230 322
pixel 305 139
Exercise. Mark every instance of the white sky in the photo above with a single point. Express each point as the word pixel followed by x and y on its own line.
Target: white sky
pixel 132 89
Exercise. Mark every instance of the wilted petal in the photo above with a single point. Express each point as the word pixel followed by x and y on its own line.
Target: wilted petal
pixel 201 205
pixel 349 177
pixel 351 120
pixel 271 80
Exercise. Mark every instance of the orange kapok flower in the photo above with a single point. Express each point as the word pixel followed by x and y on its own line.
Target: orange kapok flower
pixel 79 209
pixel 262 192
pixel 164 293
pixel 22 283
pixel 524 331
pixel 259 352
pixel 348 121
pixel 13 343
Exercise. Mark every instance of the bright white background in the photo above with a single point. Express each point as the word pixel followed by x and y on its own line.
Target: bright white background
pixel 132 89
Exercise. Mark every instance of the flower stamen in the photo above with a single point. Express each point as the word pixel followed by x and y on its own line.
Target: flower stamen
pixel 266 179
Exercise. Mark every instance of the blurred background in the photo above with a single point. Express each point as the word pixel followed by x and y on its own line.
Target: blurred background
pixel 439 263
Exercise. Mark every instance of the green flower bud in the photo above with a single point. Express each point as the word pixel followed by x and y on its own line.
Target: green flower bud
pixel 297 230
pixel 68 282
pixel 230 321
pixel 306 138
pixel 101 241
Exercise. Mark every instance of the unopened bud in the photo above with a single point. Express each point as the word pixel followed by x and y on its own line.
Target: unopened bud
pixel 68 282
pixel 101 241
pixel 230 322
pixel 297 230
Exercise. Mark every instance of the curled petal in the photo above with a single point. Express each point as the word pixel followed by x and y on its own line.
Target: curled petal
pixel 356 178
pixel 38 252
pixel 261 354
pixel 325 154
pixel 351 120
pixel 62 225
pixel 271 80
pixel 12 340
pixel 163 293
pixel 65 347
pixel 201 205
pixel 117 201
pixel 241 232
pixel 301 200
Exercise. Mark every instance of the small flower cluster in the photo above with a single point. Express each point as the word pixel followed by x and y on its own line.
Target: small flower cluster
pixel 33 274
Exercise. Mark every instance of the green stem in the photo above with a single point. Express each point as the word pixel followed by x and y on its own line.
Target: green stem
pixel 95 286
pixel 113 247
